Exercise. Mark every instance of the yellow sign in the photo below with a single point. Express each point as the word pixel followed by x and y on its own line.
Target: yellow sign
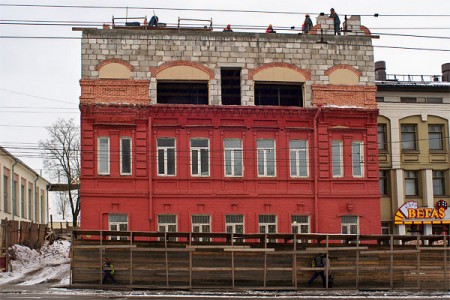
pixel 410 213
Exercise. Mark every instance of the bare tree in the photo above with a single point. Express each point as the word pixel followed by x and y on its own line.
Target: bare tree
pixel 61 202
pixel 62 158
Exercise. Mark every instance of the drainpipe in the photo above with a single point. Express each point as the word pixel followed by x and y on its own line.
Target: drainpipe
pixel 13 201
pixel 316 169
pixel 35 195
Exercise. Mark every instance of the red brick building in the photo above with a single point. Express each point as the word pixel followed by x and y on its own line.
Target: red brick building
pixel 218 132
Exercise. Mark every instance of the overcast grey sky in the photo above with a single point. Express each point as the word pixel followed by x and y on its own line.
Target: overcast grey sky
pixel 40 76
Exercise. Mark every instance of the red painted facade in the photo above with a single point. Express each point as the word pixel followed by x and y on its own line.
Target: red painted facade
pixel 144 194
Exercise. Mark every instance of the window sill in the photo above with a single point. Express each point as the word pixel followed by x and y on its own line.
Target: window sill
pixel 410 152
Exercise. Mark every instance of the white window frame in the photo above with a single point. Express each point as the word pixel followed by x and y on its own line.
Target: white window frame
pixel 232 161
pixel 294 156
pixel 263 155
pixel 200 152
pixel 232 222
pixel 337 150
pixel 166 158
pixel 167 225
pixel 122 156
pixel 198 226
pixel 358 159
pixel 349 225
pixel 103 158
pixel 298 224
pixel 115 226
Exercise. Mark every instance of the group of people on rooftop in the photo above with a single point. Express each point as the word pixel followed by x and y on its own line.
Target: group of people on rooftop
pixel 307 24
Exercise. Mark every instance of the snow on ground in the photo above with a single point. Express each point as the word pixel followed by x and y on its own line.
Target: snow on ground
pixel 50 264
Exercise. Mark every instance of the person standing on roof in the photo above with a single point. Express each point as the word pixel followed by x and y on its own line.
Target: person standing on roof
pixel 270 29
pixel 228 28
pixel 336 20
pixel 307 24
pixel 153 21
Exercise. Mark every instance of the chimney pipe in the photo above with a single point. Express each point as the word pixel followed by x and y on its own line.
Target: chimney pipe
pixel 380 70
pixel 446 72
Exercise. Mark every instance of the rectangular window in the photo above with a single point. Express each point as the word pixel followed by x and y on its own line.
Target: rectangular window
pixel 166 156
pixel 358 158
pixel 300 224
pixel 382 137
pixel 337 159
pixel 298 157
pixel 438 183
pixel 233 157
pixel 6 207
pixel 201 223
pixel 379 99
pixel 409 137
pixel 29 204
pixel 434 100
pixel 234 223
pixel 385 228
pixel 182 92
pixel 231 86
pixel 103 155
pixel 167 223
pixel 411 183
pixel 266 157
pixel 278 94
pixel 118 222
pixel 22 201
pixel 14 197
pixel 435 137
pixel 199 157
pixel 125 156
pixel 349 225
pixel 43 220
pixel 36 206
pixel 383 183
pixel 408 100
pixel 268 224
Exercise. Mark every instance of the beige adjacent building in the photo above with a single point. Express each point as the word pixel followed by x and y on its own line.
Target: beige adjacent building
pixel 24 195
pixel 414 151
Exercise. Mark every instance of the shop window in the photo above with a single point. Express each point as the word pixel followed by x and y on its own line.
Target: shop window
pixel 182 92
pixel 125 156
pixel 440 229
pixel 300 224
pixel 382 137
pixel 414 229
pixel 349 225
pixel 118 222
pixel 234 223
pixel 358 158
pixel 231 86
pixel 166 156
pixel 409 136
pixel 277 94
pixel 438 183
pixel 383 178
pixel 337 158
pixel 201 223
pixel 435 137
pixel 298 157
pixel 167 223
pixel 233 157
pixel 411 183
pixel 266 157
pixel 199 157
pixel 103 155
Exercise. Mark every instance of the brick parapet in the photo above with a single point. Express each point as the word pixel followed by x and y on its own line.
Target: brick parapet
pixel 344 95
pixel 114 91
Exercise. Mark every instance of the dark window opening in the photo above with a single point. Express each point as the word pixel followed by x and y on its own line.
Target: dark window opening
pixel 278 94
pixel 379 99
pixel 434 100
pixel 408 100
pixel 182 92
pixel 231 86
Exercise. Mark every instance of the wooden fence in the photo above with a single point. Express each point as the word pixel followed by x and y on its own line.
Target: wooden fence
pixel 260 261
pixel 19 232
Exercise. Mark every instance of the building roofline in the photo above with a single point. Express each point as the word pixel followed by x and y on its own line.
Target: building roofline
pixel 23 164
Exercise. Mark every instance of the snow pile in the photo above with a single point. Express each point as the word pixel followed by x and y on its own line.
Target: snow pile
pixel 50 264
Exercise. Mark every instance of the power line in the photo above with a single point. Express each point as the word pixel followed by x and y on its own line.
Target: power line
pixel 212 10
pixel 34 96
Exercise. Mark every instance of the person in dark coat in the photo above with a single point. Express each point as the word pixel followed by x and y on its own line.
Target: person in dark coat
pixel 108 271
pixel 336 20
pixel 307 24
